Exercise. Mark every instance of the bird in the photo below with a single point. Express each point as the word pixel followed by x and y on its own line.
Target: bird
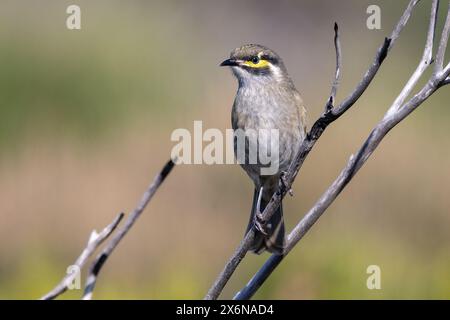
pixel 266 98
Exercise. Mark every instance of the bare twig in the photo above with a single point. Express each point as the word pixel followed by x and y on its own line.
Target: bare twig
pixel 98 263
pixel 426 60
pixel 446 81
pixel 442 45
pixel 329 115
pixel 95 240
pixel 394 115
pixel 337 75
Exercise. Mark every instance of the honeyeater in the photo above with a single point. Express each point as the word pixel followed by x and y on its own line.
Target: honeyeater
pixel 266 99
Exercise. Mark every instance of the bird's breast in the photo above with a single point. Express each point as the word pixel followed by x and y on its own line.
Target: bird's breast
pixel 261 110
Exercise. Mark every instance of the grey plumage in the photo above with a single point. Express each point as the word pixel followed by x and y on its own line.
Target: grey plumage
pixel 266 99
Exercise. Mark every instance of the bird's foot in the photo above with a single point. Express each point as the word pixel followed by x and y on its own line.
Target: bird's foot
pixel 260 224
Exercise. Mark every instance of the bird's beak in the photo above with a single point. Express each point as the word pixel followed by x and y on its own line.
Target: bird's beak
pixel 229 63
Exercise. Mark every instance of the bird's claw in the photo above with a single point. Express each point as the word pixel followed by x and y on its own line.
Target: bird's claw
pixel 260 224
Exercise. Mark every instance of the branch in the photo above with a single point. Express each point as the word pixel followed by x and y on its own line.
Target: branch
pixel 423 64
pixel 443 44
pixel 337 75
pixel 95 240
pixel 379 58
pixel 391 119
pixel 329 115
pixel 446 81
pixel 98 263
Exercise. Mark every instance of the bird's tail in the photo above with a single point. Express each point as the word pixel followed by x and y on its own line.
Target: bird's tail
pixel 274 240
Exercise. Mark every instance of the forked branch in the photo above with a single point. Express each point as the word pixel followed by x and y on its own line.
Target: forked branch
pixel 396 113
pixel 97 239
pixel 99 262
pixel 330 114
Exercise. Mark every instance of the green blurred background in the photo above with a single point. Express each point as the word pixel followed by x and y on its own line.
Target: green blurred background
pixel 85 123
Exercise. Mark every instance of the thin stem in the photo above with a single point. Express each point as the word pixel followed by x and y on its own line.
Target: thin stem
pixel 337 75
pixel 99 262
pixel 443 43
pixel 95 240
pixel 423 64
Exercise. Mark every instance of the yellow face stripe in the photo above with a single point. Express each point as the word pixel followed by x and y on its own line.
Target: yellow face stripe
pixel 261 64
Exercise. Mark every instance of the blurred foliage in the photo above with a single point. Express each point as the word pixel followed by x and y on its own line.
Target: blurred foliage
pixel 82 84
pixel 333 272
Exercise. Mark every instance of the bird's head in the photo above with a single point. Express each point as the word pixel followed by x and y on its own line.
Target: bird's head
pixel 253 62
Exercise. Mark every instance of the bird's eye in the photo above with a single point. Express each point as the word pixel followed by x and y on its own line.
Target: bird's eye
pixel 255 60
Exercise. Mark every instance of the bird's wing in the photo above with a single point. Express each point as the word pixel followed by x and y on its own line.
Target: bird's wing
pixel 301 111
